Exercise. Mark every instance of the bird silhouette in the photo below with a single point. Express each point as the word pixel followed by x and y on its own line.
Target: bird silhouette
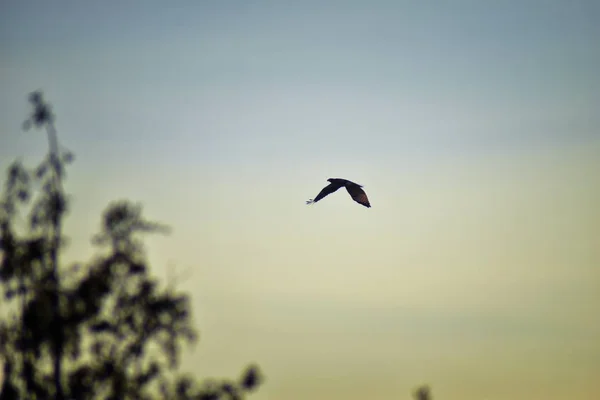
pixel 354 190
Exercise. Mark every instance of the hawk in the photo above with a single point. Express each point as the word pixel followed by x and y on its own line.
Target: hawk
pixel 354 189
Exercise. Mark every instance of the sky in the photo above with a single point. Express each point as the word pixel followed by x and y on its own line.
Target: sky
pixel 473 126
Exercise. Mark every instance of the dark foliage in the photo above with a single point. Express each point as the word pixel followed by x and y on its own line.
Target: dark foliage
pixel 423 393
pixel 100 330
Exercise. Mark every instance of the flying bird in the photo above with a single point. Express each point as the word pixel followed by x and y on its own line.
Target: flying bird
pixel 354 189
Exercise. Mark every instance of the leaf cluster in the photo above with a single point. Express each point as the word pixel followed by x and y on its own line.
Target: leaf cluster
pixel 104 329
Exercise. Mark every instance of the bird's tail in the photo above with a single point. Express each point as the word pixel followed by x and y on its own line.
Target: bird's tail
pixel 310 201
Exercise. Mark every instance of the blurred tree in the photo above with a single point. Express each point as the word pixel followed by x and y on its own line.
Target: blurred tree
pixel 423 393
pixel 105 330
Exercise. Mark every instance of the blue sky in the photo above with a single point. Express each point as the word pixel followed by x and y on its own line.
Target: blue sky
pixel 465 64
pixel 473 125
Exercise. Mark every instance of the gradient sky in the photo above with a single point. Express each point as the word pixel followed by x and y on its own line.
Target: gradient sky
pixel 474 126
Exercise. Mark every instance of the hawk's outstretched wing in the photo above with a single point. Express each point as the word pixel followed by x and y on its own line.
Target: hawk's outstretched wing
pixel 358 195
pixel 332 187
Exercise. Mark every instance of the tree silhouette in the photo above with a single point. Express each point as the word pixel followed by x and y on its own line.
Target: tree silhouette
pixel 100 330
pixel 423 393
